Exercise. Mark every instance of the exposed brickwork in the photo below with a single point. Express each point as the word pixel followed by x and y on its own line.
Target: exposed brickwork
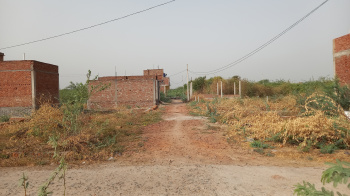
pixel 15 89
pixel 341 43
pixel 23 81
pixel 105 99
pixel 153 72
pixel 164 81
pixel 136 91
pixel 341 54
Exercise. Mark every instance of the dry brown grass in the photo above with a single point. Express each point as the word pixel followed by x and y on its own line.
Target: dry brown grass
pixel 100 135
pixel 281 120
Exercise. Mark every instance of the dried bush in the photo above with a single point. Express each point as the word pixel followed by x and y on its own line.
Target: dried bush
pixel 320 121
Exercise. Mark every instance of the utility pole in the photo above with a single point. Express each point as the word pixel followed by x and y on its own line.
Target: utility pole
pixel 188 89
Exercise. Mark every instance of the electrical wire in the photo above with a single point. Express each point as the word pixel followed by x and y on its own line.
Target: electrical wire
pixel 260 47
pixel 89 27
pixel 178 73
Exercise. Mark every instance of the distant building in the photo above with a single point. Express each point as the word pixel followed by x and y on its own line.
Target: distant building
pixel 165 81
pixel 25 85
pixel 341 58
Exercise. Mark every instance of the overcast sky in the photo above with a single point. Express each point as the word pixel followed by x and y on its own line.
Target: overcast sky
pixel 205 34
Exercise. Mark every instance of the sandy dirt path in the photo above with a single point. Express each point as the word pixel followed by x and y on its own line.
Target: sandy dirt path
pixel 182 155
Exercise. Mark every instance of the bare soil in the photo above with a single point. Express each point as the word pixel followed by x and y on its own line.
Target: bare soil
pixel 181 155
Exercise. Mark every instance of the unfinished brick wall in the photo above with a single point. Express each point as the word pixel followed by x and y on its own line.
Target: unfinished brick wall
pixel 47 83
pixel 341 58
pixel 136 91
pixel 105 99
pixel 15 84
pixel 153 72
pixel 24 83
pixel 164 81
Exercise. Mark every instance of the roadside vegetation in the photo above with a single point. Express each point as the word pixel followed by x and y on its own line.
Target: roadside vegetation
pixel 73 131
pixel 178 93
pixel 338 173
pixel 307 116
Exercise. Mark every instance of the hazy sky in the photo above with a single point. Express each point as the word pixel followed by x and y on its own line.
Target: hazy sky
pixel 205 34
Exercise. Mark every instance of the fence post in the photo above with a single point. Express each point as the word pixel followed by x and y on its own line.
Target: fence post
pixel 240 89
pixel 234 88
pixel 221 89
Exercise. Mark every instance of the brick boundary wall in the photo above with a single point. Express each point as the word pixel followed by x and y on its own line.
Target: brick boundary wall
pixel 341 58
pixel 134 91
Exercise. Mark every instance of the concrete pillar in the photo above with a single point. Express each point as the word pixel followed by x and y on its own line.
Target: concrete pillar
pixel 234 88
pixel 191 91
pixel 33 81
pixel 154 92
pixel 158 91
pixel 217 88
pixel 240 89
pixel 221 89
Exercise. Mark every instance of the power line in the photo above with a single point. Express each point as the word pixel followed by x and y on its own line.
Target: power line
pixel 89 27
pixel 178 73
pixel 261 47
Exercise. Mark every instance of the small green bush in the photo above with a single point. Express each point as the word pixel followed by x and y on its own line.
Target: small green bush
pixel 164 98
pixel 260 144
pixel 338 173
pixel 4 118
pixel 328 149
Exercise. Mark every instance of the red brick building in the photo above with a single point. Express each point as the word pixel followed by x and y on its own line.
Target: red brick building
pixel 136 91
pixel 165 81
pixel 25 84
pixel 341 58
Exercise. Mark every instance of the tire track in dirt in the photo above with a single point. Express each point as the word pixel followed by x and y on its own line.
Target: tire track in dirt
pixel 184 139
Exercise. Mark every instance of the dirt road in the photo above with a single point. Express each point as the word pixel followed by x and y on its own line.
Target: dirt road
pixel 181 155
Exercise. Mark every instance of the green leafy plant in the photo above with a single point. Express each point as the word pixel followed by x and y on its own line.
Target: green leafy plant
pixel 260 144
pixel 74 101
pixel 4 118
pixel 328 149
pixel 164 98
pixel 338 173
pixel 24 183
pixel 61 172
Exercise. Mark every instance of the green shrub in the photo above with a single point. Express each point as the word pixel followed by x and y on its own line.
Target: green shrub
pixel 4 118
pixel 338 173
pixel 164 98
pixel 259 144
pixel 328 149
